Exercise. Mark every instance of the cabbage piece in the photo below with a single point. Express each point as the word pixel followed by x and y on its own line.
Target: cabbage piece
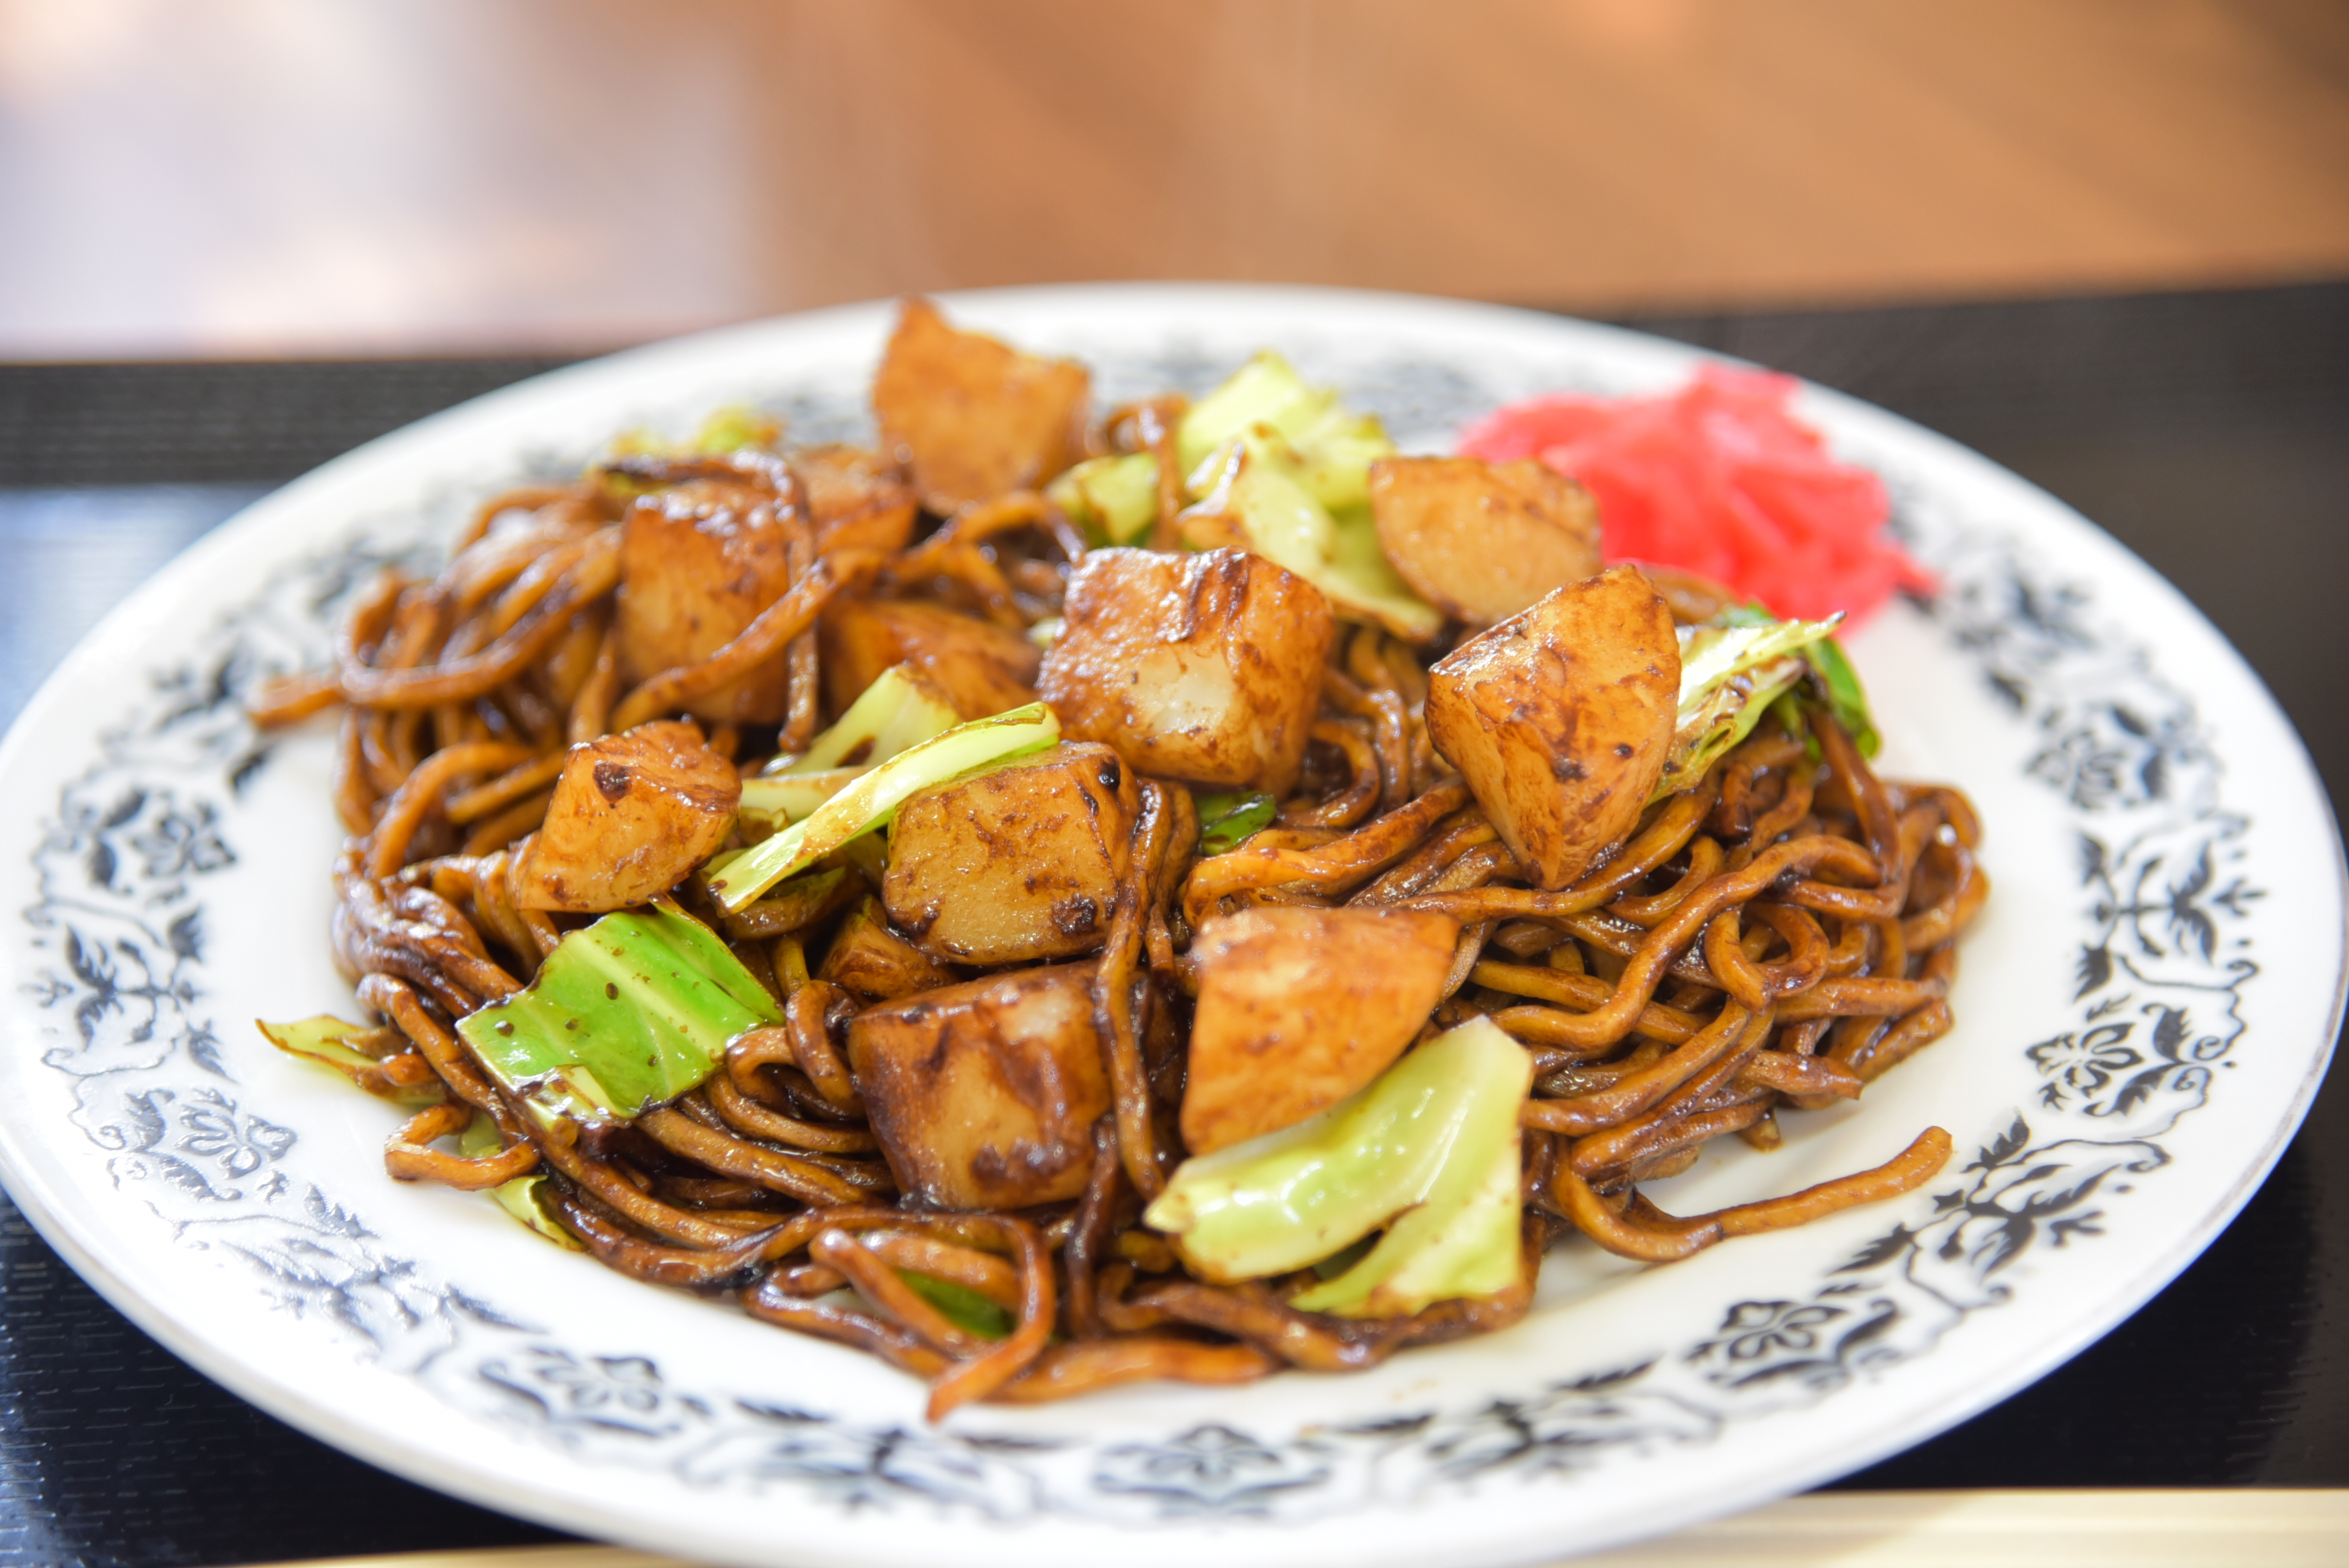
pixel 1258 393
pixel 1335 448
pixel 1428 1139
pixel 624 1014
pixel 1113 498
pixel 784 797
pixel 1227 818
pixel 1334 457
pixel 320 1040
pixel 961 1305
pixel 524 1197
pixel 1258 498
pixel 1283 469
pixel 1837 685
pixel 727 429
pixel 873 800
pixel 1729 675
pixel 732 428
pixel 1711 654
pixel 1462 1241
pixel 1846 701
pixel 899 709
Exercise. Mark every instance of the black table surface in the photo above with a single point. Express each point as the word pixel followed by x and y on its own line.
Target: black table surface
pixel 2208 431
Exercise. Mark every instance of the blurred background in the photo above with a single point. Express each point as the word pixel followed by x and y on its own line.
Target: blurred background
pixel 2106 241
pixel 325 176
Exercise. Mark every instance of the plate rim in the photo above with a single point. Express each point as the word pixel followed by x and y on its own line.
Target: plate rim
pixel 353 1437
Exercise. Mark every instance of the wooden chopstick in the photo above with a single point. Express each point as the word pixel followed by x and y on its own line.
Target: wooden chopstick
pixel 2036 1529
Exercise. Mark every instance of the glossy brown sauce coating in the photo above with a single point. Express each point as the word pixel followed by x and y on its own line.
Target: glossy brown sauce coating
pixel 1002 1035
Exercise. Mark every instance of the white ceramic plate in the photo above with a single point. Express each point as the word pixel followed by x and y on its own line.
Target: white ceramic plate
pixel 2144 1011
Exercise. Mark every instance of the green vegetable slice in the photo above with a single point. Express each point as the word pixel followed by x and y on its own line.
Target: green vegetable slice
pixel 1462 1241
pixel 1846 701
pixel 960 1305
pixel 1729 674
pixel 1226 818
pixel 1335 448
pixel 1426 1141
pixel 1367 583
pixel 1838 684
pixel 320 1040
pixel 873 800
pixel 524 1197
pixel 1287 467
pixel 899 709
pixel 1115 498
pixel 1258 488
pixel 624 1014
pixel 1334 456
pixel 1261 392
pixel 1711 654
pixel 733 427
pixel 788 797
pixel 726 430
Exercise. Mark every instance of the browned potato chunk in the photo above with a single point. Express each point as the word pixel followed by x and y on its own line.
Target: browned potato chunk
pixel 697 562
pixel 1017 865
pixel 1483 541
pixel 973 418
pixel 874 963
pixel 854 498
pixel 1560 718
pixel 632 814
pixel 1299 1007
pixel 984 670
pixel 984 1095
pixel 1206 667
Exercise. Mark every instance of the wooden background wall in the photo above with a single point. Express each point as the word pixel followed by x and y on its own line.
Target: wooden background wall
pixel 318 176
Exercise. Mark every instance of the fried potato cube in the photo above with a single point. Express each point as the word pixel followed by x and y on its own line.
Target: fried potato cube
pixel 874 963
pixel 1205 667
pixel 1483 541
pixel 1560 718
pixel 1299 1007
pixel 632 814
pixel 984 1095
pixel 973 418
pixel 697 562
pixel 983 669
pixel 1017 865
pixel 855 498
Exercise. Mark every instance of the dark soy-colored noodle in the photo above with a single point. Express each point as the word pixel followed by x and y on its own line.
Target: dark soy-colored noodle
pixel 1118 988
pixel 409 1154
pixel 1768 940
pixel 1064 1371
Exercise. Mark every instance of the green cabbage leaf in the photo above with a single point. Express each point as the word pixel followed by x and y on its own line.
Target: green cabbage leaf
pixel 1730 674
pixel 1114 498
pixel 1227 818
pixel 1429 1150
pixel 623 1016
pixel 871 801
pixel 1263 491
pixel 525 1197
pixel 321 1040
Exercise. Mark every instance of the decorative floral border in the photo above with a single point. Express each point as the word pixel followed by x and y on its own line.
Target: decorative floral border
pixel 119 933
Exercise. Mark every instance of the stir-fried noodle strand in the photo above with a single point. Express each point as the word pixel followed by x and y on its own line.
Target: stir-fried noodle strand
pixel 1772 937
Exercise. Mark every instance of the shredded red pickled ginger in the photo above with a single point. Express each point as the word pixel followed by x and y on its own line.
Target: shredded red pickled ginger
pixel 1719 479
